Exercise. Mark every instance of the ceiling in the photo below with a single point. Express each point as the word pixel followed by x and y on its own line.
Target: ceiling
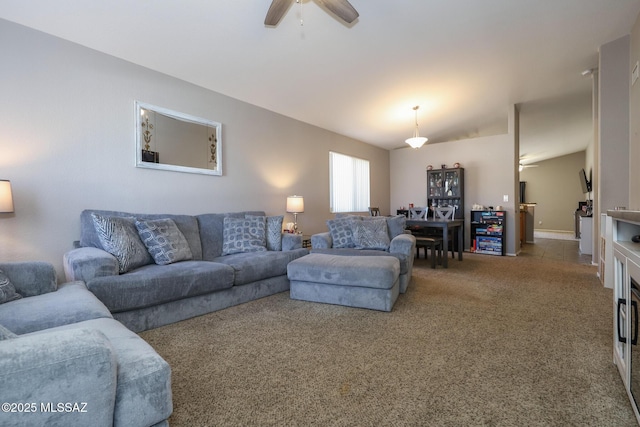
pixel 462 61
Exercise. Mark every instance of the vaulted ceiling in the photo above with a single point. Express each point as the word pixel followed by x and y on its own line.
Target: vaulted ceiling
pixel 462 61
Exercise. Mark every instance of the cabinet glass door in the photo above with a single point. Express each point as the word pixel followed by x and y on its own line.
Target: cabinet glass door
pixel 435 184
pixel 451 184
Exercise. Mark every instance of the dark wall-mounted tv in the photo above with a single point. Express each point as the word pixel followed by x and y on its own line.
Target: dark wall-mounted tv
pixel 586 184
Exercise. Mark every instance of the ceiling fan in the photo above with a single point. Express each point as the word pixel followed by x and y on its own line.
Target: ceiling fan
pixel 341 8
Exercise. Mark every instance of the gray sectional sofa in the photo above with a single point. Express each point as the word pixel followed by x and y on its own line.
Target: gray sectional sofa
pixel 65 361
pixel 152 295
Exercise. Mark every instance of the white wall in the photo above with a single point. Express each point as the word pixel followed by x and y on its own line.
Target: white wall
pixel 488 164
pixel 555 188
pixel 614 123
pixel 67 144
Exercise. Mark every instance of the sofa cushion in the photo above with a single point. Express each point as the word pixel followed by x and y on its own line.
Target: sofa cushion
pixel 244 235
pixel 7 290
pixel 156 284
pixel 211 226
pixel 143 390
pixel 250 267
pixel 365 272
pixel 404 261
pixel 371 234
pixel 77 366
pixel 119 237
pixel 341 230
pixel 71 303
pixel 187 224
pixel 164 240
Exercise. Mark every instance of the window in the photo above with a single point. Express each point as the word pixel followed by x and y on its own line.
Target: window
pixel 349 186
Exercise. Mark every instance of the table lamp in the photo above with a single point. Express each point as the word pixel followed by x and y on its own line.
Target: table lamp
pixel 295 205
pixel 6 198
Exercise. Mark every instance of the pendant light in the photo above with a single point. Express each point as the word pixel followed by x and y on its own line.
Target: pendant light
pixel 416 141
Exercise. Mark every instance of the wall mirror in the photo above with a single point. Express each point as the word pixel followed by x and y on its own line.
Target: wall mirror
pixel 169 140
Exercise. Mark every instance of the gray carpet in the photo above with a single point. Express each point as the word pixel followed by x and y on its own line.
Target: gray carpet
pixel 495 341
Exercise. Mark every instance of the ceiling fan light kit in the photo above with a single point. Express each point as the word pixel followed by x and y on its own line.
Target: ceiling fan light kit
pixel 341 8
pixel 416 141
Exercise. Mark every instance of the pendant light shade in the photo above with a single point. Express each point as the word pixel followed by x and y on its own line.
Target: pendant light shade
pixel 416 141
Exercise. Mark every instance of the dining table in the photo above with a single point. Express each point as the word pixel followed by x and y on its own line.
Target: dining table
pixel 445 225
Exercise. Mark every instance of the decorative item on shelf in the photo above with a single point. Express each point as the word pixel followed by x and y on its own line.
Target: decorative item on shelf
pixel 443 166
pixel 416 141
pixel 6 197
pixel 456 165
pixel 295 205
pixel 429 167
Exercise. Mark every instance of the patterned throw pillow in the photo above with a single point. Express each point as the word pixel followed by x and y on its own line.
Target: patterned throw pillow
pixel 243 235
pixel 371 234
pixel 341 231
pixel 7 290
pixel 119 237
pixel 164 241
pixel 273 231
pixel 6 334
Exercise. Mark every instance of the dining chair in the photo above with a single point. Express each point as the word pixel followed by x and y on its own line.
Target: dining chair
pixel 447 212
pixel 418 213
pixel 429 242
pixel 374 211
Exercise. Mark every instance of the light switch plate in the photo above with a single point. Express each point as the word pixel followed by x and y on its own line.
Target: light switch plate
pixel 505 198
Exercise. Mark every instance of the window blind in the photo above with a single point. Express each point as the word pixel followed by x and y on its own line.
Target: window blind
pixel 349 187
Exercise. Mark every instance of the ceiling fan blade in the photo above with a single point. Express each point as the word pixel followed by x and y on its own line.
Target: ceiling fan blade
pixel 341 8
pixel 276 11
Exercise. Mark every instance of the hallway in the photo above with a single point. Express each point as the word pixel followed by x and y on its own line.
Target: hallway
pixel 567 250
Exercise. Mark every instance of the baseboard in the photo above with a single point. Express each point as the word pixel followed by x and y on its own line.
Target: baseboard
pixel 554 234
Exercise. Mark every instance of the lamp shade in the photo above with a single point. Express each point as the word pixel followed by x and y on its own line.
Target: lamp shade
pixel 6 198
pixel 295 204
pixel 416 141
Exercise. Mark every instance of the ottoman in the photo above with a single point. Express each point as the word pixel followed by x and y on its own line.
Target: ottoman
pixel 353 281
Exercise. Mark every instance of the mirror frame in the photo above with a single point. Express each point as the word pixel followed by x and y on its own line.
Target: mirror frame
pixel 185 118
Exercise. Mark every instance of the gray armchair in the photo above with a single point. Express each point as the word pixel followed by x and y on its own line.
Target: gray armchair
pixel 402 246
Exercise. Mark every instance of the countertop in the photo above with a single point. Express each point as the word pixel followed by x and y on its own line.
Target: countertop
pixel 633 216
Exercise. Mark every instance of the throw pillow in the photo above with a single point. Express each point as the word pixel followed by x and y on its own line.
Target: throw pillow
pixel 396 225
pixel 6 334
pixel 273 231
pixel 119 236
pixel 164 241
pixel 341 231
pixel 371 234
pixel 243 235
pixel 7 290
